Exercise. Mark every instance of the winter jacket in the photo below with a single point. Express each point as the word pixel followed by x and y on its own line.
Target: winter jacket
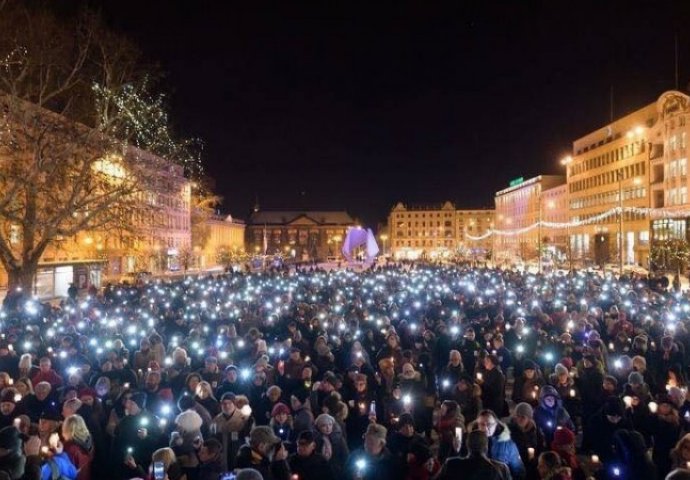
pixel 666 432
pixel 250 458
pixel 62 463
pixel 303 420
pixel 527 390
pixel 230 430
pixel 13 464
pixel 470 401
pixel 477 467
pixel 382 467
pixel 81 454
pixel 531 437
pixel 503 449
pixel 598 435
pixel 339 450
pixel 493 391
pixel 589 385
pixel 209 470
pixel 313 467
pixel 420 471
pixel 550 418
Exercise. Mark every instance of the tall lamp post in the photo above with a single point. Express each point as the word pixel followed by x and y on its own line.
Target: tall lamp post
pixel 566 161
pixel 621 242
pixel 539 232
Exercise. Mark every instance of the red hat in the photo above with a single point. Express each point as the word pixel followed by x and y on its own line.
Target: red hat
pixel 567 362
pixel 562 436
pixel 279 408
pixel 88 392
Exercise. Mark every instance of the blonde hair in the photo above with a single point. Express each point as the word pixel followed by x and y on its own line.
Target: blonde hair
pixel 165 455
pixel 206 388
pixel 74 428
pixel 26 381
pixel 25 361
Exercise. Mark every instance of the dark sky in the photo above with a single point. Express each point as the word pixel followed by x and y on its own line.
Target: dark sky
pixel 358 105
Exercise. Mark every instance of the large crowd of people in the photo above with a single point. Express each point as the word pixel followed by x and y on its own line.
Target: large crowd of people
pixel 405 372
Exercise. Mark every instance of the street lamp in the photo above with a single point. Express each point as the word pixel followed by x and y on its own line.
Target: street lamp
pixel 566 161
pixel 539 199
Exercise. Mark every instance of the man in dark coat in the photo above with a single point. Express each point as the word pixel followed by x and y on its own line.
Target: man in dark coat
pixel 598 436
pixel 307 463
pixel 477 465
pixel 374 461
pixel 493 386
pixel 261 454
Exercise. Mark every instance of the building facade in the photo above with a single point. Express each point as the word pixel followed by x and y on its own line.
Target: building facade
pixel 442 231
pixel 518 208
pixel 300 235
pixel 157 237
pixel 668 179
pixel 224 240
pixel 609 170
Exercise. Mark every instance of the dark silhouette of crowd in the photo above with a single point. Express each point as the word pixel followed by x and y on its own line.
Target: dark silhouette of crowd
pixel 404 372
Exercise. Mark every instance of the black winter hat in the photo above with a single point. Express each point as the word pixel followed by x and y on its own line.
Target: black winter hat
pixel 302 394
pixel 9 438
pixel 140 399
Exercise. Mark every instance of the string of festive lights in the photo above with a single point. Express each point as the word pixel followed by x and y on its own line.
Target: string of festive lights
pixel 653 213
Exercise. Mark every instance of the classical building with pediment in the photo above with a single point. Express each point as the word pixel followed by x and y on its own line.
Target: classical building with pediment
pixel 302 235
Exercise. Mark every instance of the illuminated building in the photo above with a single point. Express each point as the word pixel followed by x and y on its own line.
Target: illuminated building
pixel 156 238
pixel 607 169
pixel 302 235
pixel 440 231
pixel 518 207
pixel 669 167
pixel 554 208
pixel 224 237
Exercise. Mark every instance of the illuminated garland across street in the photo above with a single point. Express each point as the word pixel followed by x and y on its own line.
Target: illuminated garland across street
pixel 654 213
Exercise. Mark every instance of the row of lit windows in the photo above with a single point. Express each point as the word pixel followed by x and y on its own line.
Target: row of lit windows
pixel 401 216
pixel 606 178
pixel 607 198
pixel 677 196
pixel 676 168
pixel 423 243
pixel 676 142
pixel 609 157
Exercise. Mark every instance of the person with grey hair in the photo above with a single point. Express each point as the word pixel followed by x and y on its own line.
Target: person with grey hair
pixel 330 441
pixel 477 465
pixel 248 474
pixel 679 474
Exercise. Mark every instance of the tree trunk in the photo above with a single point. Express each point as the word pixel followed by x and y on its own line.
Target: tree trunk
pixel 22 277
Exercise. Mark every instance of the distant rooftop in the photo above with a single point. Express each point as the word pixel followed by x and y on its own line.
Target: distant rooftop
pixel 323 217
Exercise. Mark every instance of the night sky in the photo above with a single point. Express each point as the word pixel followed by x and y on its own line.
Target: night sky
pixel 359 105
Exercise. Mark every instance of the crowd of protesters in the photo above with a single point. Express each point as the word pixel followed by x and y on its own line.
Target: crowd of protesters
pixel 394 372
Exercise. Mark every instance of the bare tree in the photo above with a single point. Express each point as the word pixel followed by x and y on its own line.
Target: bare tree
pixel 73 102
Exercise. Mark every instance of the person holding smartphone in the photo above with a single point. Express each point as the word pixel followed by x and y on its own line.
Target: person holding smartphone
pixel 57 464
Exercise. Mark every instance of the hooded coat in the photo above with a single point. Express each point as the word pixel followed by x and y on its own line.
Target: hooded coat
pixel 548 419
pixel 503 449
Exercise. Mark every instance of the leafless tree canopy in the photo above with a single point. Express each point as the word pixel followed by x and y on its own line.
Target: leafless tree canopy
pixel 73 102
